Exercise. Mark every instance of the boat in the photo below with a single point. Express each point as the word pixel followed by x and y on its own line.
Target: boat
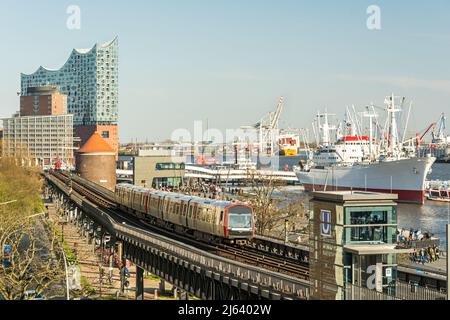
pixel 289 144
pixel 365 163
pixel 438 191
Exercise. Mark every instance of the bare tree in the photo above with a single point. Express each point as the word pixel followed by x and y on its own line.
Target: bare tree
pixel 267 213
pixel 31 256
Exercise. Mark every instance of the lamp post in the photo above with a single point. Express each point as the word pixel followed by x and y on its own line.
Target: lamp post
pixel 286 231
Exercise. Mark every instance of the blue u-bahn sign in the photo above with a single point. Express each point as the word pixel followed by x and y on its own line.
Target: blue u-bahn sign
pixel 325 224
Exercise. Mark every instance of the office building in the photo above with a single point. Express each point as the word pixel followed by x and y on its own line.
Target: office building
pixel 157 169
pixel 43 101
pixel 40 140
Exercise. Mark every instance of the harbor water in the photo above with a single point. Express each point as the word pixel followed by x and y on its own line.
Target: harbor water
pixel 431 217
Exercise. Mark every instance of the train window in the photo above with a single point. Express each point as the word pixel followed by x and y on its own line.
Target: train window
pixel 221 216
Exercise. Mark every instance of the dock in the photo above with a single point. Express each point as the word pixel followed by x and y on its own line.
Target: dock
pixel 236 176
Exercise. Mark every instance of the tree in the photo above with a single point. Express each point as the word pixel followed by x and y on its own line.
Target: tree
pixel 32 261
pixel 267 213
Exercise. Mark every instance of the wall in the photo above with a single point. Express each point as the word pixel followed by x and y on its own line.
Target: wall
pixel 145 169
pixel 98 168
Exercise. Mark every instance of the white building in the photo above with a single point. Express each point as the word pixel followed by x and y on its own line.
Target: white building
pixel 40 140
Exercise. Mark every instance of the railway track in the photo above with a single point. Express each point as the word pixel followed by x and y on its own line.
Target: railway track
pixel 243 254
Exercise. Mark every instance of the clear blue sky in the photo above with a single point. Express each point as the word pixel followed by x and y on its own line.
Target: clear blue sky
pixel 229 61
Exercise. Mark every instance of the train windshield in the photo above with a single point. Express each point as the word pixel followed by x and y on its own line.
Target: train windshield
pixel 240 217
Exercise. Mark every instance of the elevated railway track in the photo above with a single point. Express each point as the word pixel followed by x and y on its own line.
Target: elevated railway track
pixel 250 254
pixel 292 271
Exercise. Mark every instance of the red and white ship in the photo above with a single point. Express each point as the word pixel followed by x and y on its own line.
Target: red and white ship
pixel 358 162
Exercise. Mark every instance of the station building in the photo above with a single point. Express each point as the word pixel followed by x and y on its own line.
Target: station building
pixel 353 243
pixel 155 169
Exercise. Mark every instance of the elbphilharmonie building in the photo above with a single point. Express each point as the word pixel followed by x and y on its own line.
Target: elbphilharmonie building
pixel 89 78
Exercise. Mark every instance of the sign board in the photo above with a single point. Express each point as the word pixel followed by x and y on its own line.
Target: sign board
pixel 74 275
pixel 388 272
pixel 325 225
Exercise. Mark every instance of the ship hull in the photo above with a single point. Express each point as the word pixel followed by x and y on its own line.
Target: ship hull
pixel 403 177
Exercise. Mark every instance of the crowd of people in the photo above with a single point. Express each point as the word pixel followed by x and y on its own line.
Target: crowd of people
pixel 407 236
pixel 425 252
pixel 211 191
pixel 426 255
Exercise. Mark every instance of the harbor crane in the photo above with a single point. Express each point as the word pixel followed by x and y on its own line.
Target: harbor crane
pixel 269 129
pixel 439 137
pixel 420 137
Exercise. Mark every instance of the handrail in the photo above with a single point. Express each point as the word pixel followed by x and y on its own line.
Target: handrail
pixel 280 282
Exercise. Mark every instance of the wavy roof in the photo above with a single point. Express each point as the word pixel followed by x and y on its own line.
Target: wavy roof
pixel 75 51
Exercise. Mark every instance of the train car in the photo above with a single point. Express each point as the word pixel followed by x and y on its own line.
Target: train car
pixel 207 219
pixel 176 210
pixel 123 194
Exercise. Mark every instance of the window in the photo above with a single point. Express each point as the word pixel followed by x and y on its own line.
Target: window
pixel 170 166
pixel 166 182
pixel 240 217
pixel 105 134
pixel 371 216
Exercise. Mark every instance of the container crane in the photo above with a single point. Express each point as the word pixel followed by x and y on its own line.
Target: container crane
pixel 439 137
pixel 268 133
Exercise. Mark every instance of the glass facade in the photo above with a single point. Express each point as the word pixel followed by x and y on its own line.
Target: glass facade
pixel 377 225
pixel 370 225
pixel 90 80
pixel 166 182
pixel 170 166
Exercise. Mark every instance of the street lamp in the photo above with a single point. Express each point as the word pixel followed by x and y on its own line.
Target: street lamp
pixel 286 230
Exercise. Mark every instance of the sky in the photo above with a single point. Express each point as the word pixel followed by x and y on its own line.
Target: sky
pixel 229 61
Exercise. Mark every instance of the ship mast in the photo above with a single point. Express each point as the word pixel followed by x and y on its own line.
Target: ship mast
pixel 393 139
pixel 326 128
pixel 371 116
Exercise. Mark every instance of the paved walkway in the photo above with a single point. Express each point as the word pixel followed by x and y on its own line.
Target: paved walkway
pixel 437 266
pixel 89 264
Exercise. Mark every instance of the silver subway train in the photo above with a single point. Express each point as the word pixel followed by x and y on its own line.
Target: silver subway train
pixel 206 219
